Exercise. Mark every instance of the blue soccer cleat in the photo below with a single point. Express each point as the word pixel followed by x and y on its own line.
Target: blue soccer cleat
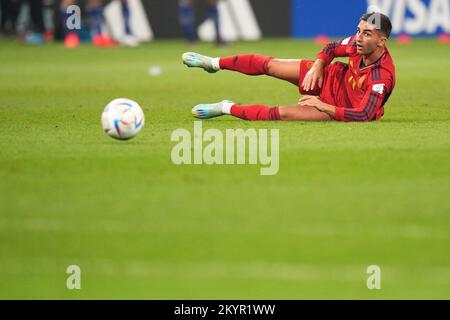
pixel 196 60
pixel 208 111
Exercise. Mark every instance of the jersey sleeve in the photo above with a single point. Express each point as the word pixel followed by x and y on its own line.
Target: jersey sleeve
pixel 342 48
pixel 374 99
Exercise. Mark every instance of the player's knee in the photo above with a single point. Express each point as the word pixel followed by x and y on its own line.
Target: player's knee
pixel 272 68
pixel 286 114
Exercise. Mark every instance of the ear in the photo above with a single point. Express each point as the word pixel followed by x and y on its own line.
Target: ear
pixel 382 42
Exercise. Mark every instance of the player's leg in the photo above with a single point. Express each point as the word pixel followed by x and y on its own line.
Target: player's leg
pixel 297 113
pixel 36 34
pixel 126 16
pixel 71 39
pixel 36 13
pixel 95 13
pixel 5 10
pixel 259 112
pixel 94 10
pixel 285 69
pixel 254 64
pixel 213 14
pixel 187 20
pixel 249 64
pixel 128 39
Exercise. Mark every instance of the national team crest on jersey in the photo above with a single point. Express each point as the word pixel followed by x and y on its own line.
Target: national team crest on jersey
pixel 378 88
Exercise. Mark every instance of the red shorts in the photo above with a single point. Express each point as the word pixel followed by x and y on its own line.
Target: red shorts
pixel 332 80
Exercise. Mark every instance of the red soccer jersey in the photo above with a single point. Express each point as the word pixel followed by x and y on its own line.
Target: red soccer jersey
pixel 359 93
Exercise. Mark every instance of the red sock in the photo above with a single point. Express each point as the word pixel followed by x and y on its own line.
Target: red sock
pixel 255 112
pixel 251 64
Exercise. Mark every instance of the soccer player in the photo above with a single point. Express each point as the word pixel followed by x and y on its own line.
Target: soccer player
pixel 9 11
pixel 356 91
pixel 187 20
pixel 95 13
pixel 128 39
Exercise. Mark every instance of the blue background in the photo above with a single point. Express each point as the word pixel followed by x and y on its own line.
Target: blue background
pixel 336 18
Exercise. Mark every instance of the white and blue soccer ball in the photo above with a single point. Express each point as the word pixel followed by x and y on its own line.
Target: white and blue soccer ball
pixel 123 119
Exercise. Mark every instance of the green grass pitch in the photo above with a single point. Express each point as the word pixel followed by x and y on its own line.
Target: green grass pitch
pixel 347 195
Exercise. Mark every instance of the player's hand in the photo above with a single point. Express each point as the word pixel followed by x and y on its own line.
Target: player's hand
pixel 314 77
pixel 313 80
pixel 310 101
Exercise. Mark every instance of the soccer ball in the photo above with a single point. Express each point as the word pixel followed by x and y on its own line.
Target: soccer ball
pixel 122 119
